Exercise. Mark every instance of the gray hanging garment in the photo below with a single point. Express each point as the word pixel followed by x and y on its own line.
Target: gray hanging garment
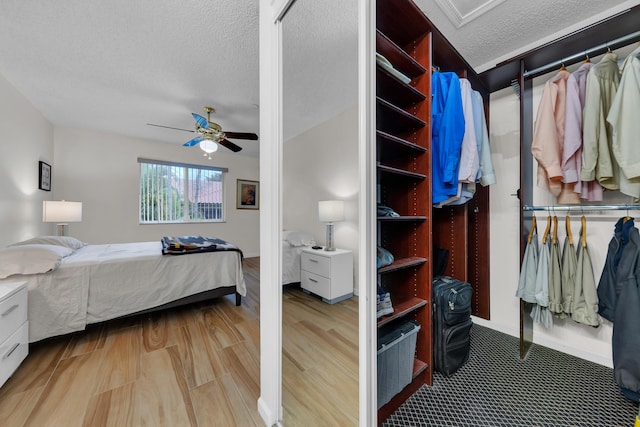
pixel 555 274
pixel 540 312
pixel 527 282
pixel 585 296
pixel 569 267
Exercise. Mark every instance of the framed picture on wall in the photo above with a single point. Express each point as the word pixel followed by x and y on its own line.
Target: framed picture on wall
pixel 44 176
pixel 247 194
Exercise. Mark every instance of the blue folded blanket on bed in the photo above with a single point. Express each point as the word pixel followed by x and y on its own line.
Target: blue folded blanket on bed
pixel 182 245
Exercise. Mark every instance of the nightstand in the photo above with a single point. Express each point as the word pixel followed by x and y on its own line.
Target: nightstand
pixel 328 274
pixel 14 328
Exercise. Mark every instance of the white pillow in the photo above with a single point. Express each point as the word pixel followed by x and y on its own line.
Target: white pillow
pixel 31 259
pixel 297 238
pixel 66 241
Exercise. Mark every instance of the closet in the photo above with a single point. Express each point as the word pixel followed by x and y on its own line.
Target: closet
pixel 609 34
pixel 414 48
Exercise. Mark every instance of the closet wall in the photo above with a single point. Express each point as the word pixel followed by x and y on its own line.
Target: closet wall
pixel 410 42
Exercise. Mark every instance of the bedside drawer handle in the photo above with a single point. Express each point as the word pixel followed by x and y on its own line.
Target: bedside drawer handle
pixel 313 260
pixel 313 280
pixel 6 356
pixel 13 307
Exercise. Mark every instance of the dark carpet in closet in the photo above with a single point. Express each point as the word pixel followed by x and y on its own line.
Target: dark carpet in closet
pixel 495 388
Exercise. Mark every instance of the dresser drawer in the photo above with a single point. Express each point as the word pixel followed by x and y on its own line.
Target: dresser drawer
pixel 316 264
pixel 13 351
pixel 317 284
pixel 13 313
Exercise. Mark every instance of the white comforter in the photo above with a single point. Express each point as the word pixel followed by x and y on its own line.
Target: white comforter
pixel 102 282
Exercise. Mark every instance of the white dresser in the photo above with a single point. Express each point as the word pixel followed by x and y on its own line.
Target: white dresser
pixel 14 328
pixel 328 274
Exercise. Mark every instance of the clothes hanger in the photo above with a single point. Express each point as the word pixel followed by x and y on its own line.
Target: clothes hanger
pixel 626 218
pixel 554 236
pixel 583 232
pixel 534 227
pixel 587 60
pixel 546 231
pixel 562 67
pixel 569 234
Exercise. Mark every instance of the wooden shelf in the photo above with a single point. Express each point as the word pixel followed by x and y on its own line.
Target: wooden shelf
pixel 401 172
pixel 402 263
pixel 418 367
pixel 402 309
pixel 390 146
pixel 396 92
pixel 400 59
pixel 402 21
pixel 392 119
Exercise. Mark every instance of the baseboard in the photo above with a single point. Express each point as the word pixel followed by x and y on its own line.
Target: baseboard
pixel 545 341
pixel 251 254
pixel 265 414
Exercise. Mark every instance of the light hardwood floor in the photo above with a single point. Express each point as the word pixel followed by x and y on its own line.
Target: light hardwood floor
pixel 192 366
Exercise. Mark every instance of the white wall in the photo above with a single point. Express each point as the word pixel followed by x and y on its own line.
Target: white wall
pixel 322 164
pixel 26 137
pixel 566 335
pixel 102 171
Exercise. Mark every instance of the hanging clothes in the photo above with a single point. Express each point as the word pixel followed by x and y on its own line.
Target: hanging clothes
pixel 608 286
pixel 585 297
pixel 572 153
pixel 619 292
pixel 555 273
pixel 569 267
pixel 597 160
pixel 447 132
pixel 469 159
pixel 548 139
pixel 527 282
pixel 624 117
pixel 540 313
pixel 487 175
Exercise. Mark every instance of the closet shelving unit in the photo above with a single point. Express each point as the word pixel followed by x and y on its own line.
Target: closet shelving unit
pixel 403 145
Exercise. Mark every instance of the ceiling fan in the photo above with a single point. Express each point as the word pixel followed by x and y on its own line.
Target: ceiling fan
pixel 209 134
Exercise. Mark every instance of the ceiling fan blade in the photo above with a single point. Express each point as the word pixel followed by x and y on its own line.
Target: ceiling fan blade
pixel 241 135
pixel 202 122
pixel 169 127
pixel 193 142
pixel 230 145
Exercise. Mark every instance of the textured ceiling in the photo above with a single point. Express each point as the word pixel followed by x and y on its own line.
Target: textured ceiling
pixel 515 26
pixel 115 66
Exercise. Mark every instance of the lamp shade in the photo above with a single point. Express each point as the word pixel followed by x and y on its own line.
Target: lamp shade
pixel 61 211
pixel 331 210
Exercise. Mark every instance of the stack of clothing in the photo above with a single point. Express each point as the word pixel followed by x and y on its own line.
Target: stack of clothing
pixel 172 245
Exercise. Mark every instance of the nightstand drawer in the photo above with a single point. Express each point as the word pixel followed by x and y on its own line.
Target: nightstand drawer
pixel 13 313
pixel 316 264
pixel 13 351
pixel 317 284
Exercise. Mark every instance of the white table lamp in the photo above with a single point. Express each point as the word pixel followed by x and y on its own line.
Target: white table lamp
pixel 330 211
pixel 62 212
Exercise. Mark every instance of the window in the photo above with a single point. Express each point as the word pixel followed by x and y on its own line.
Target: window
pixel 178 192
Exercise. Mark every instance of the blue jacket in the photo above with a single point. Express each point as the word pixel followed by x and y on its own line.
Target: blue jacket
pixel 619 293
pixel 447 131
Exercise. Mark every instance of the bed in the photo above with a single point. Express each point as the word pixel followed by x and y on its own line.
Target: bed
pixel 293 243
pixel 72 287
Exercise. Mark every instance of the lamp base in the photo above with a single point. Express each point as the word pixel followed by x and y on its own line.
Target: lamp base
pixel 61 229
pixel 329 246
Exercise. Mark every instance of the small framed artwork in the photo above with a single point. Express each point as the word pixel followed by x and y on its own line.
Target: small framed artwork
pixel 248 194
pixel 44 176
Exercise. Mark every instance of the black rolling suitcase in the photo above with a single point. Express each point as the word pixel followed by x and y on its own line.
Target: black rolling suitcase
pixel 451 323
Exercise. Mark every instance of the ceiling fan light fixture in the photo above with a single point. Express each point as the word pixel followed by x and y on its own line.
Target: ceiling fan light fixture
pixel 208 146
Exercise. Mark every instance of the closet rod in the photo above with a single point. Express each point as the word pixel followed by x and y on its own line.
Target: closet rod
pixel 580 208
pixel 613 44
